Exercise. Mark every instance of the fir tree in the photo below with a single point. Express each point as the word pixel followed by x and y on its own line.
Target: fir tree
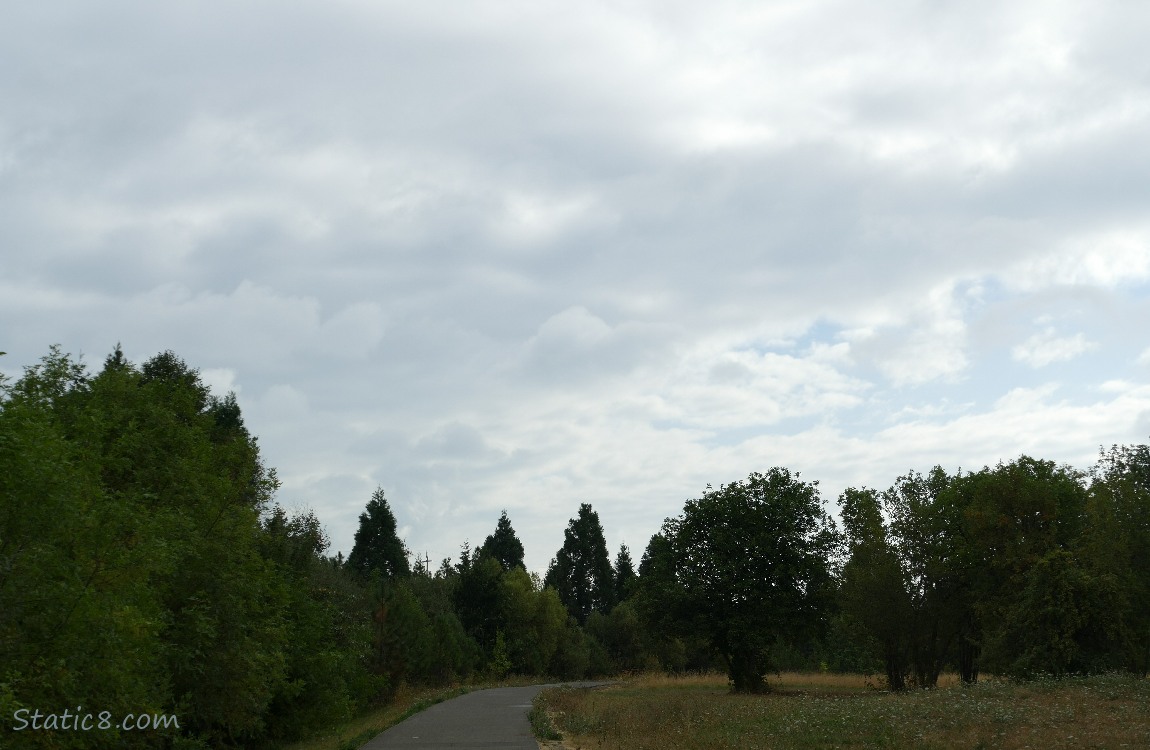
pixel 377 547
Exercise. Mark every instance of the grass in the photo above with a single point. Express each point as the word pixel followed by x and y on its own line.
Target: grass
pixel 352 734
pixel 833 711
pixel 541 723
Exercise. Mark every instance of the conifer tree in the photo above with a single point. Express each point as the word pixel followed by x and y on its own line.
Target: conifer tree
pixel 581 571
pixel 504 545
pixel 377 546
pixel 625 578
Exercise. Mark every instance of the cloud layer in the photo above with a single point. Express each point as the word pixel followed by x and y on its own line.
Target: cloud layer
pixel 526 255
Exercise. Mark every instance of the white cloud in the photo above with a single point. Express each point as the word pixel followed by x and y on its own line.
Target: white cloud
pixel 924 343
pixel 1107 259
pixel 1048 347
pixel 221 380
pixel 523 254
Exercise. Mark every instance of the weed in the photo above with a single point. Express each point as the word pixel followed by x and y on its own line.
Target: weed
pixel 541 723
pixel 821 710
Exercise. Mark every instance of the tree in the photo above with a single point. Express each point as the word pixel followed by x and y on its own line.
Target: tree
pixel 1117 541
pixel 477 598
pixel 1043 606
pixel 377 546
pixel 581 571
pixel 751 563
pixel 504 545
pixel 926 531
pixel 625 578
pixel 873 593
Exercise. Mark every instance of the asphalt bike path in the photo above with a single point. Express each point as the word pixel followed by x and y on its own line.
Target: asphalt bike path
pixel 495 718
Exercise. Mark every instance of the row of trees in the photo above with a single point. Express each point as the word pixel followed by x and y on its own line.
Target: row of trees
pixel 145 569
pixel 145 566
pixel 1023 569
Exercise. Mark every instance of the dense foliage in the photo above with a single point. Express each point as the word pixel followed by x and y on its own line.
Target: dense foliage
pixel 145 566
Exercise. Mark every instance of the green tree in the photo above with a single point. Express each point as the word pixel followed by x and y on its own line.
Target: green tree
pixel 1046 601
pixel 79 622
pixel 477 598
pixel 329 640
pixel 581 571
pixel 624 573
pixel 1117 542
pixel 926 531
pixel 751 560
pixel 149 568
pixel 377 545
pixel 504 545
pixel 873 592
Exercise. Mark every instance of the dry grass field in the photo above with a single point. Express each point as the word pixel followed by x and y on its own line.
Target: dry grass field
pixel 834 711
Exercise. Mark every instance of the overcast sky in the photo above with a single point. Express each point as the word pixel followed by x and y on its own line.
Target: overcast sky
pixel 526 254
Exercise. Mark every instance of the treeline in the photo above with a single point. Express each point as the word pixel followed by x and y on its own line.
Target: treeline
pixel 145 567
pixel 1027 569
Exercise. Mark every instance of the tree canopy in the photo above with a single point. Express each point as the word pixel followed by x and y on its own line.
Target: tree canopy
pixel 581 570
pixel 751 565
pixel 504 545
pixel 377 544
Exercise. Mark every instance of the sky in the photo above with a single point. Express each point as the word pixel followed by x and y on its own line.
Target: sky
pixel 521 255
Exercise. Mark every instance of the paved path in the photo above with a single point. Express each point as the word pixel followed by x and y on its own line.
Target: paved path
pixel 483 720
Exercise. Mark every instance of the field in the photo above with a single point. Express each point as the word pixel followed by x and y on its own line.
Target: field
pixel 831 711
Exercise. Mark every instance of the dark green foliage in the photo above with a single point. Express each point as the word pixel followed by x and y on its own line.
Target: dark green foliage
pixel 624 572
pixel 404 638
pixel 622 636
pixel 137 574
pixel 144 566
pixel 572 657
pixel 532 621
pixel 873 593
pixel 1011 519
pixel 503 545
pixel 455 654
pixel 581 570
pixel 377 545
pixel 78 620
pixel 1116 547
pixel 327 646
pixel 478 599
pixel 925 531
pixel 751 565
pixel 1019 569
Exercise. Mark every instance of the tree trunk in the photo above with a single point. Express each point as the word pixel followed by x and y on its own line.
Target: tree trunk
pixel 745 670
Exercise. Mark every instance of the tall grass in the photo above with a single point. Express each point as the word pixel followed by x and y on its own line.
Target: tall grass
pixel 831 711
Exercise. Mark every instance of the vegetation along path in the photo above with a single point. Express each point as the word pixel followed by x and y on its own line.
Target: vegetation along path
pixel 494 718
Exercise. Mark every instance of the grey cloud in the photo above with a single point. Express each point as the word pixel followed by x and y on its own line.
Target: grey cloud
pixel 510 255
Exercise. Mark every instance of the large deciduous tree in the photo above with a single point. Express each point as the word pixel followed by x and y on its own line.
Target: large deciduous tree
pixel 751 562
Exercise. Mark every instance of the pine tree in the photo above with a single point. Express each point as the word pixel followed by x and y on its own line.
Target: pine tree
pixel 504 545
pixel 377 547
pixel 581 571
pixel 625 578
